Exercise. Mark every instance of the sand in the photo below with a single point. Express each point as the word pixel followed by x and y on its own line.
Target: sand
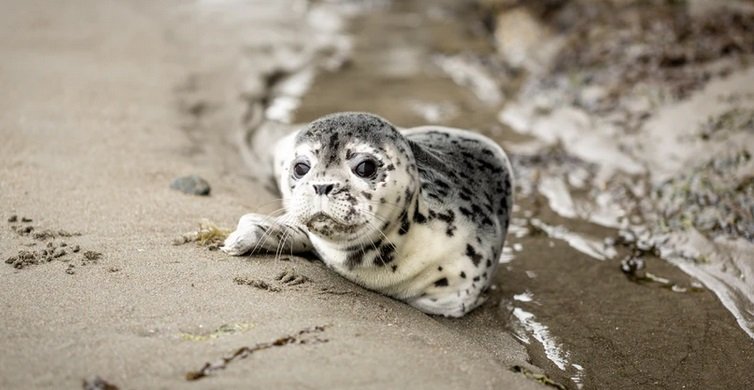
pixel 95 125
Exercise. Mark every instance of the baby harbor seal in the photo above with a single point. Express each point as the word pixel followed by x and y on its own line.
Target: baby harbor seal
pixel 419 214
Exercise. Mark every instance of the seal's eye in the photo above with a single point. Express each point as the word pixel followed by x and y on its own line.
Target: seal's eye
pixel 365 169
pixel 300 169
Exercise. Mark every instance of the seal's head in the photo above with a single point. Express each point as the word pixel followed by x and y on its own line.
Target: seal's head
pixel 351 177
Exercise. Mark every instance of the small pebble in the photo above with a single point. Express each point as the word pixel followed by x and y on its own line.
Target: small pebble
pixel 97 383
pixel 192 184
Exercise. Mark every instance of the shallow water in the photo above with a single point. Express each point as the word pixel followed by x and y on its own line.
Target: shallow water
pixel 560 289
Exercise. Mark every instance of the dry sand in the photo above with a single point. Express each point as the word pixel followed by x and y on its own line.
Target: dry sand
pixel 92 134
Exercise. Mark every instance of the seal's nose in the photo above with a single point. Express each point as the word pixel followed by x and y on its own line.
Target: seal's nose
pixel 323 189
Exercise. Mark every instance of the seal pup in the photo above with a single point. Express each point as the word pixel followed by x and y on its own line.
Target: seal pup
pixel 418 214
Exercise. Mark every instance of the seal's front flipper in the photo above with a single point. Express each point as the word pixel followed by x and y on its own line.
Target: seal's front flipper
pixel 257 233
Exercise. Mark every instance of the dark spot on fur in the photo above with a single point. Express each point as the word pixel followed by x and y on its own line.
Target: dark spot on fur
pixel 354 258
pixel 351 199
pixel 405 224
pixel 419 217
pixel 463 275
pixel 441 282
pixel 385 255
pixel 449 217
pixel 473 255
pixel 486 165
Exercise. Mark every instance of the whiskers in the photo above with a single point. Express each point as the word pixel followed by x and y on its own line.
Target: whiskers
pixel 273 202
pixel 276 223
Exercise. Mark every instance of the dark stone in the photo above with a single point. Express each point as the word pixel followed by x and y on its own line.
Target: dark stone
pixel 192 185
pixel 97 383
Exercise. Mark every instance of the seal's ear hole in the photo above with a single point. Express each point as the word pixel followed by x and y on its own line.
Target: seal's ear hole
pixel 365 169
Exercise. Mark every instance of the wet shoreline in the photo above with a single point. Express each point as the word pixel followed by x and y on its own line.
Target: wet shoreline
pixel 561 289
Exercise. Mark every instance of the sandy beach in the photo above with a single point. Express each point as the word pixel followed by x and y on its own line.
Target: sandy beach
pixel 104 103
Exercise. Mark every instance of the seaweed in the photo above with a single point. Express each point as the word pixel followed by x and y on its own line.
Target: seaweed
pixel 208 234
pixel 633 267
pixel 300 337
pixel 541 378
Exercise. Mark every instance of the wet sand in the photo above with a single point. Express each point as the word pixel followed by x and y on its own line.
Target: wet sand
pixel 562 289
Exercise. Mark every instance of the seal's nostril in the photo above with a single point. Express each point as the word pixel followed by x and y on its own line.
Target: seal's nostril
pixel 323 189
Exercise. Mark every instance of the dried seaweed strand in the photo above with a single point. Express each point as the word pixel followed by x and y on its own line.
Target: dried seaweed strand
pixel 244 352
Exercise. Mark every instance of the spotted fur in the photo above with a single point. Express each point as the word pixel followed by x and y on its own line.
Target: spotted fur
pixel 427 227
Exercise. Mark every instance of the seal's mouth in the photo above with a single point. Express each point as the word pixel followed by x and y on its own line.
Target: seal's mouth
pixel 322 217
pixel 326 225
